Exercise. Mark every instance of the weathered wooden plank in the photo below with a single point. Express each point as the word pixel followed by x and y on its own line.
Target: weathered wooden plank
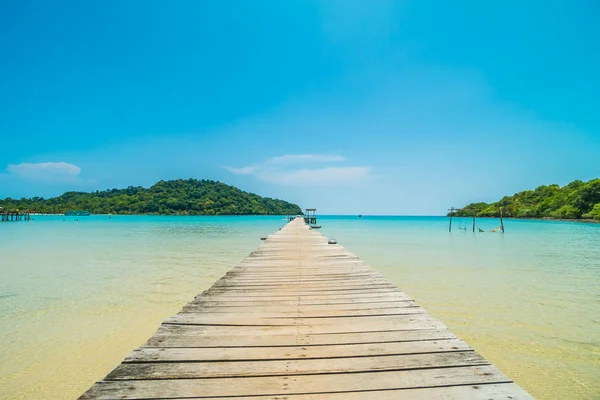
pixel 305 283
pixel 267 307
pixel 195 336
pixel 244 277
pixel 311 329
pixel 305 287
pixel 294 263
pixel 317 269
pixel 308 326
pixel 503 391
pixel 289 318
pixel 295 352
pixel 250 277
pixel 261 367
pixel 312 264
pixel 301 312
pixel 301 292
pixel 317 273
pixel 388 296
pixel 296 301
pixel 296 384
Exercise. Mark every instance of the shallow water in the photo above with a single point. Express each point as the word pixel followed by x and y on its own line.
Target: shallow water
pixel 77 294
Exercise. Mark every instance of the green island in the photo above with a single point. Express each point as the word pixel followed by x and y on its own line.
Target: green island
pixel 175 197
pixel 577 200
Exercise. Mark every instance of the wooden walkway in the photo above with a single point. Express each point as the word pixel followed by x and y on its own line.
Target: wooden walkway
pixel 302 319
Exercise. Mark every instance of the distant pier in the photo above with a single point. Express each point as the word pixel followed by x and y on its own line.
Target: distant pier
pixel 302 319
pixel 310 217
pixel 14 215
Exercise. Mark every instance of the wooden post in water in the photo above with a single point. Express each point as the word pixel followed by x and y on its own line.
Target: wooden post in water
pixel 451 209
pixel 501 222
pixel 474 223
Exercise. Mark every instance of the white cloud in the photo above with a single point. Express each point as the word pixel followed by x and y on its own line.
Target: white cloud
pixel 302 158
pixel 285 160
pixel 242 171
pixel 291 169
pixel 48 171
pixel 318 176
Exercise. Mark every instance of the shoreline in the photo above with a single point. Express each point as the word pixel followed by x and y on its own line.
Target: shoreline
pixel 165 215
pixel 580 220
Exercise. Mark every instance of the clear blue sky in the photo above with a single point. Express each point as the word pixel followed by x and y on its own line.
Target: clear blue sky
pixel 373 107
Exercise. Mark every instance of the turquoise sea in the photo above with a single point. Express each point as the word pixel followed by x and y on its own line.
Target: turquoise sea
pixel 78 293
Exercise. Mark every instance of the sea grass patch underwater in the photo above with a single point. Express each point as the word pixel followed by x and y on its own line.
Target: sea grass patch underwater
pixel 77 296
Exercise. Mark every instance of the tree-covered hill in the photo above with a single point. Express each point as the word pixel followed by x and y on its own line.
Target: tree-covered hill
pixel 193 197
pixel 576 200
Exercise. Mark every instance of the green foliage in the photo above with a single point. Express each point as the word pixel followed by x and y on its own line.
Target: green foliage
pixel 185 197
pixel 574 201
pixel 594 214
pixel 566 212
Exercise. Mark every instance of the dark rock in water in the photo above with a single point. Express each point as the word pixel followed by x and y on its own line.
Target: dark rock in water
pixel 332 241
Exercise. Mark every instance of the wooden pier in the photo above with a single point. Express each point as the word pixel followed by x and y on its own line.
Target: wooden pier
pixel 14 215
pixel 303 319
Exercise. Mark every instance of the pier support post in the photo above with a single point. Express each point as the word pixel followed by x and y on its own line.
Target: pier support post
pixel 451 209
